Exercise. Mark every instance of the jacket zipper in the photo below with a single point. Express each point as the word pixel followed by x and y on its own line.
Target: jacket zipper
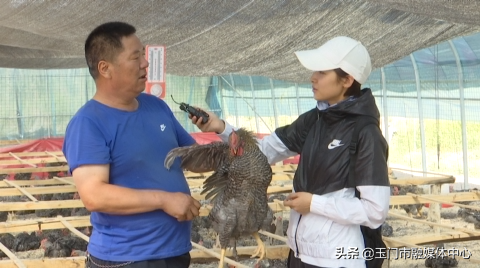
pixel 296 230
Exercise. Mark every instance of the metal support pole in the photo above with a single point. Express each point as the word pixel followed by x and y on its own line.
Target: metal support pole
pixel 420 114
pixel 462 115
pixel 385 107
pixel 274 103
pixel 257 123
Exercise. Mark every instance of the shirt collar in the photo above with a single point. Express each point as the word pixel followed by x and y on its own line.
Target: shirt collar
pixel 323 105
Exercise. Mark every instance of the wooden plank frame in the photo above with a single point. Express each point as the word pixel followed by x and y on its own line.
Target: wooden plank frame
pixel 195 181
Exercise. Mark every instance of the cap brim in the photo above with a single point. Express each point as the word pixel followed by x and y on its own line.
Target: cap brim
pixel 314 60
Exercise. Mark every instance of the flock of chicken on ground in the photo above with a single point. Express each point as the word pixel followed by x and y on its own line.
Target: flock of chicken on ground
pixel 63 243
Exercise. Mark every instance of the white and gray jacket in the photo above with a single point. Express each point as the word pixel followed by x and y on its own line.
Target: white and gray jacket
pixel 321 136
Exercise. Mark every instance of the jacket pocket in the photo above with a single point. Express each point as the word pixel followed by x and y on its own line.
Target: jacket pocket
pixel 314 229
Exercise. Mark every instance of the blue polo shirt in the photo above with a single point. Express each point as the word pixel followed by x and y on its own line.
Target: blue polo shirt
pixel 135 145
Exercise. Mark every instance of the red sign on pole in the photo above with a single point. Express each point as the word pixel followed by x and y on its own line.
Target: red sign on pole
pixel 155 84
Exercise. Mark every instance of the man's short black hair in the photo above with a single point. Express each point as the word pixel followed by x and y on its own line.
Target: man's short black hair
pixel 105 43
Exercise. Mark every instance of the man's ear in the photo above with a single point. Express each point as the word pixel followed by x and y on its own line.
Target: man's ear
pixel 104 69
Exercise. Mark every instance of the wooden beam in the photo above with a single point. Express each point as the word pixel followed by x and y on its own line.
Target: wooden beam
pixel 37 182
pixel 199 178
pixel 203 211
pixel 38 190
pixel 7 155
pixel 17 206
pixel 21 160
pixel 422 180
pixel 21 190
pixel 276 207
pixel 12 256
pixel 434 224
pixel 218 256
pixel 279 189
pixel 72 229
pixel 421 172
pixel 397 241
pixel 59 159
pixel 443 202
pixel 63 180
pixel 270 190
pixel 45 224
pixel 451 197
pixel 271 252
pixel 12 142
pixel 473 260
pixel 434 208
pixel 444 237
pixel 30 170
pixel 281 238
pixel 195 174
pixel 38 160
pixel 198 182
pixel 72 262
pixel 283 168
pixel 275 169
pixel 394 200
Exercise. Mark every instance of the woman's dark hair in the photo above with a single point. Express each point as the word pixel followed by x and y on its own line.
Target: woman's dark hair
pixel 355 89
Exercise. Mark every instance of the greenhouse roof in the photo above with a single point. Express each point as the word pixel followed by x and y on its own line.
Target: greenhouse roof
pixel 245 37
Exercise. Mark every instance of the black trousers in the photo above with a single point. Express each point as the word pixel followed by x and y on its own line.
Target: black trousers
pixel 182 261
pixel 293 262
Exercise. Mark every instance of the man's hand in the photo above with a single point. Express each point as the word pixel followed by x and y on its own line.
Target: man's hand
pixel 214 124
pixel 300 202
pixel 181 206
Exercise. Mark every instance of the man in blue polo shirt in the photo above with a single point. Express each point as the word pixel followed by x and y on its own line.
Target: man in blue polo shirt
pixel 115 146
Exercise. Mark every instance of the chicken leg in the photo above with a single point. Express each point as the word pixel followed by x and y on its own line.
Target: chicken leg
pixel 222 256
pixel 260 251
pixel 419 211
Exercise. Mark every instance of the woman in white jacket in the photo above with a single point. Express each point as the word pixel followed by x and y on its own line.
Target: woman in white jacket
pixel 326 216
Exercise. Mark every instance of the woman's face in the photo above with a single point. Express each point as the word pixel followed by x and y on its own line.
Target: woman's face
pixel 327 86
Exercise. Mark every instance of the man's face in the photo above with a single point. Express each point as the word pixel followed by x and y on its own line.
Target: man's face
pixel 129 72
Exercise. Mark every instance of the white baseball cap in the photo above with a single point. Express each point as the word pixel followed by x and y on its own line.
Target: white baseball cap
pixel 340 52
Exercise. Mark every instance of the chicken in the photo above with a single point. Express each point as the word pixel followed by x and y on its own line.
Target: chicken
pixel 445 262
pixel 3 216
pixel 80 212
pixel 22 176
pixel 471 215
pixel 441 261
pixel 65 212
pixel 64 246
pixel 75 242
pixel 8 241
pixel 195 236
pixel 200 223
pixel 411 209
pixel 276 228
pixel 57 249
pixel 54 234
pixel 237 188
pixel 387 230
pixel 52 174
pixel 25 242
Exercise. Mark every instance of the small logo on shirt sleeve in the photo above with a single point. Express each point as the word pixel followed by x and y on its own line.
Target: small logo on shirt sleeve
pixel 162 127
